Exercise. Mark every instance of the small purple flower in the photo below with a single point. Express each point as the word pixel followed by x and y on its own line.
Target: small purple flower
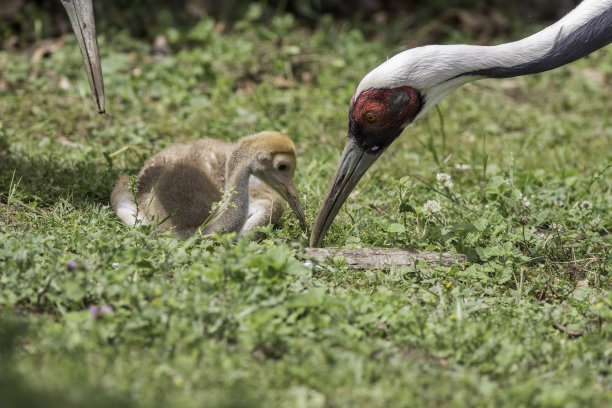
pixel 71 265
pixel 96 311
pixel 106 309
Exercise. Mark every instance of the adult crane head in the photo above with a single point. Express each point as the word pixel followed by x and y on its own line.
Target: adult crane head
pixel 387 100
pixel 81 15
pixel 405 87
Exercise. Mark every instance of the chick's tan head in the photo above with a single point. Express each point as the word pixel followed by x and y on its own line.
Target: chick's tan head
pixel 275 165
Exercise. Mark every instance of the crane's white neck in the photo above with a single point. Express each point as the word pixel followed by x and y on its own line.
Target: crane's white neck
pixel 436 70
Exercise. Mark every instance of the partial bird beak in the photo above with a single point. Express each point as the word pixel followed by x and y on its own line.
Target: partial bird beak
pixel 290 194
pixel 83 23
pixel 355 161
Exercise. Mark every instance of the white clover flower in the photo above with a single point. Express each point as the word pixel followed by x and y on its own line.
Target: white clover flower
pixel 444 180
pixel 558 228
pixel 521 200
pixel 463 166
pixel 586 205
pixel 432 207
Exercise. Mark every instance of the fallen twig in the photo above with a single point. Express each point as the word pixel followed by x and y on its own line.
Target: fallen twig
pixel 372 206
pixel 571 333
pixel 384 258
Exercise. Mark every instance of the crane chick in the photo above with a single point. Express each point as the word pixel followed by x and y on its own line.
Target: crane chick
pixel 177 189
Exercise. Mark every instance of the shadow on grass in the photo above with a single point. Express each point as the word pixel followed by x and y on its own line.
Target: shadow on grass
pixel 48 180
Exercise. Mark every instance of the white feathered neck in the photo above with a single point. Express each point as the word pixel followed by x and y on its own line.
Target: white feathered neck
pixel 436 70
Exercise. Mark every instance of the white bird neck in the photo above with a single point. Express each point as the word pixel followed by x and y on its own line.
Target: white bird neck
pixel 436 70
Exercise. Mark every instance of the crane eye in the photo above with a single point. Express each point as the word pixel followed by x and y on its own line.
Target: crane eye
pixel 282 166
pixel 369 117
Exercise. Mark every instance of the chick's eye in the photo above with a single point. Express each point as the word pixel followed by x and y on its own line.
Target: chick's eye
pixel 282 166
pixel 369 117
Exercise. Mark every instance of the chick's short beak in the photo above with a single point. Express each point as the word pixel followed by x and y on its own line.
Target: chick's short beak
pixel 355 161
pixel 83 23
pixel 289 192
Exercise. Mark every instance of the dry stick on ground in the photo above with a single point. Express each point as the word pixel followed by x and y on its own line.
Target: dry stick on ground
pixel 572 334
pixel 372 206
pixel 385 258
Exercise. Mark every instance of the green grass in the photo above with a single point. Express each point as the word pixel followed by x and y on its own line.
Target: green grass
pixel 212 322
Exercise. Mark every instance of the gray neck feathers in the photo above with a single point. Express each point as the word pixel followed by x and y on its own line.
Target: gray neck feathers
pixel 575 36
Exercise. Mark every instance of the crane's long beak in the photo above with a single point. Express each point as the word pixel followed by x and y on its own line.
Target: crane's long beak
pixel 289 192
pixel 354 162
pixel 83 23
